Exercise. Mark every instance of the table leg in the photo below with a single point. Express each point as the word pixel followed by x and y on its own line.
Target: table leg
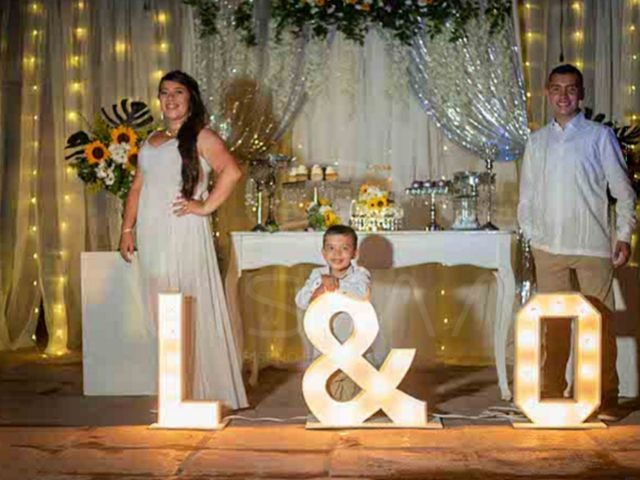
pixel 506 290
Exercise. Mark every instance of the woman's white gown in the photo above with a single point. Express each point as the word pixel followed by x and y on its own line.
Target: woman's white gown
pixel 177 253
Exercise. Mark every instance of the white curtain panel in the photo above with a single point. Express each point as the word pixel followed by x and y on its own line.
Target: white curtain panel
pixel 600 37
pixel 61 61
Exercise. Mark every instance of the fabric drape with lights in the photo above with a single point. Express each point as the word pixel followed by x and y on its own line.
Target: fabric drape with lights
pixel 61 61
pixel 600 38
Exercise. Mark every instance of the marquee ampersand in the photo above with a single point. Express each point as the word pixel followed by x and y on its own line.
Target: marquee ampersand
pixel 378 387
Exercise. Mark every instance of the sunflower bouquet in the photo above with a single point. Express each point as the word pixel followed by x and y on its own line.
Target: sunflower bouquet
pixel 321 215
pixel 375 210
pixel 106 157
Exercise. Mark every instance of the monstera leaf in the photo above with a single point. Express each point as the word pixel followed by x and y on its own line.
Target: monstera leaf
pixel 77 142
pixel 134 114
pixel 627 135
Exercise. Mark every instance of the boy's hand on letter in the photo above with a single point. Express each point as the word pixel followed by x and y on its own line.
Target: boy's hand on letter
pixel 330 283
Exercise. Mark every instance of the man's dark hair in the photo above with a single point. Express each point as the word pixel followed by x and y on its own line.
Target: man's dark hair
pixel 341 230
pixel 567 69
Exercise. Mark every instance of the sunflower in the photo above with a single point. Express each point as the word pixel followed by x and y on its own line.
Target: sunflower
pixel 96 152
pixel 373 203
pixel 324 202
pixel 330 218
pixel 382 202
pixel 363 189
pixel 124 134
pixel 132 158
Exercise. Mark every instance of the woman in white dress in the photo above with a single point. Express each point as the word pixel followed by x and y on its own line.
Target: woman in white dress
pixel 169 206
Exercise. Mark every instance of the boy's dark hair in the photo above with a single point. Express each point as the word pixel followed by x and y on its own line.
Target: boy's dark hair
pixel 341 230
pixel 567 69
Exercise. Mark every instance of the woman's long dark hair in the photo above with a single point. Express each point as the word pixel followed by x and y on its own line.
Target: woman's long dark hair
pixel 188 133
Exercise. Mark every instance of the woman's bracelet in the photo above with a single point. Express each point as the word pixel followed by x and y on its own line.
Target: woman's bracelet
pixel 127 230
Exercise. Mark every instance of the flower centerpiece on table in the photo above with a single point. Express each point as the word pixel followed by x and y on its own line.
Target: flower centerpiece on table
pixel 321 215
pixel 105 157
pixel 374 210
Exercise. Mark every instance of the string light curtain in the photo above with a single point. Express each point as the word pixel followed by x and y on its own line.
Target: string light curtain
pixel 61 61
pixel 601 38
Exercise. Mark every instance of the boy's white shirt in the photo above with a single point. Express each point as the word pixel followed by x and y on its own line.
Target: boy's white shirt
pixel 356 282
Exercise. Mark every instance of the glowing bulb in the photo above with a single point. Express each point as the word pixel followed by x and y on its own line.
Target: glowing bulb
pixel 35 256
pixel 632 28
pixel 34 88
pixel 80 5
pixel 528 94
pixel 576 6
pixel 526 374
pixel 34 228
pixel 35 33
pixel 80 32
pixel 35 283
pixel 588 342
pixel 446 321
pixel 36 310
pixel 33 200
pixel 578 35
pixel 75 60
pixel 72 116
pixel 158 74
pixel 120 47
pixel 163 47
pixel 587 371
pixel 35 118
pixel 34 172
pixel 67 198
pixel 76 86
pixel 34 7
pixel 161 18
pixel 527 64
pixel 441 347
pixel 526 338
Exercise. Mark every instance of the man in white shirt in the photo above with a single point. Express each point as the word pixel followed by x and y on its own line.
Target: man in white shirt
pixel 568 165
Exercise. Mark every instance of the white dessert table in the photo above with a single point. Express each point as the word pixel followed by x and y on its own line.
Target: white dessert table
pixel 486 249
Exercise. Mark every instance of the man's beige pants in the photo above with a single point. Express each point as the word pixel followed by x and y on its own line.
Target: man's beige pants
pixel 595 279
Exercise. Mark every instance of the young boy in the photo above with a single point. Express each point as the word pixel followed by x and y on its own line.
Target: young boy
pixel 339 249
